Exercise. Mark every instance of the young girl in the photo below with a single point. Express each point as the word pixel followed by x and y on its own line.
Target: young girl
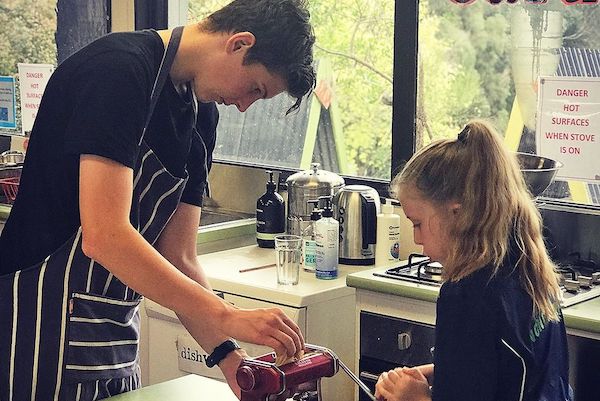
pixel 499 330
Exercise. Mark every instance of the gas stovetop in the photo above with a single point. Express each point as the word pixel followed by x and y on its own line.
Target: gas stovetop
pixel 418 269
pixel 580 279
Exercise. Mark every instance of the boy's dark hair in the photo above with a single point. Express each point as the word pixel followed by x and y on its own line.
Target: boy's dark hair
pixel 284 38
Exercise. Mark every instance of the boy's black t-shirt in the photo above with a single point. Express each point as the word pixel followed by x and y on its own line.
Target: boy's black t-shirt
pixel 96 103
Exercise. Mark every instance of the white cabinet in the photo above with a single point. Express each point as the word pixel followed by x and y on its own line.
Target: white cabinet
pixel 174 353
pixel 323 309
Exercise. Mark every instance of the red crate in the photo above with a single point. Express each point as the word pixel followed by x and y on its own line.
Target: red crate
pixel 10 186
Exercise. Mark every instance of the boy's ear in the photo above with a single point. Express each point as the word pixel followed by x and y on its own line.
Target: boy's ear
pixel 240 41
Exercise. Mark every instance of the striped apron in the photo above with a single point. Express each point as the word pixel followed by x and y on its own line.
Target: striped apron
pixel 69 329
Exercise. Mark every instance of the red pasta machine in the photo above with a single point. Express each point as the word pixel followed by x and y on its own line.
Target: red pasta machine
pixel 262 380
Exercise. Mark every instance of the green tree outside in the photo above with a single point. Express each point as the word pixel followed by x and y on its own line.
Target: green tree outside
pixel 464 62
pixel 27 29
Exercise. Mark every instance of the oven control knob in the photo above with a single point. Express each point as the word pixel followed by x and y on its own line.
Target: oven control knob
pixel 404 341
pixel 246 378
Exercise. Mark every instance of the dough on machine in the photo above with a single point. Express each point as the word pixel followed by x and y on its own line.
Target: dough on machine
pixel 284 359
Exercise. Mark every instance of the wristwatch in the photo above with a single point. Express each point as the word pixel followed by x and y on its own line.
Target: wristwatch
pixel 221 351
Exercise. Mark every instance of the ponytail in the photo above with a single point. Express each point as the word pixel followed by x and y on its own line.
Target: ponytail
pixel 476 171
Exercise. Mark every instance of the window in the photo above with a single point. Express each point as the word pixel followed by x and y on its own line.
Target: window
pixel 475 59
pixel 30 33
pixel 346 125
pixel 27 31
pixel 482 60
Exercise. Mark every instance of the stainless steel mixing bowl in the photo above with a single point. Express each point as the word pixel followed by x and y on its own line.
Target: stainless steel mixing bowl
pixel 538 171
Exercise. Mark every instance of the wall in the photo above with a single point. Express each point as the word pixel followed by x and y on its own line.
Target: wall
pixel 570 230
pixel 122 15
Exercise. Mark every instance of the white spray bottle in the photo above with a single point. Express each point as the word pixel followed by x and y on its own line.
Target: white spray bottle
pixel 387 247
pixel 327 234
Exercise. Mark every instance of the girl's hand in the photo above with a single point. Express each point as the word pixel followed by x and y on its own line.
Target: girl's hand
pixel 403 384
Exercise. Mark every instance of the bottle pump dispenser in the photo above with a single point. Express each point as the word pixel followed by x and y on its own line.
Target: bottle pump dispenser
pixel 270 215
pixel 327 233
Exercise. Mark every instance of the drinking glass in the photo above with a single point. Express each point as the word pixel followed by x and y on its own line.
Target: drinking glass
pixel 288 252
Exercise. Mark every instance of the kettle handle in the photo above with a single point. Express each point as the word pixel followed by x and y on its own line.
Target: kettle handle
pixel 369 220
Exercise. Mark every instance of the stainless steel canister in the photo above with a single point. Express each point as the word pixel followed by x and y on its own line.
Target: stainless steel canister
pixel 304 186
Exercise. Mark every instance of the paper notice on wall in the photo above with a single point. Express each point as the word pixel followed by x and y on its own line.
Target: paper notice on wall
pixel 568 125
pixel 7 103
pixel 32 82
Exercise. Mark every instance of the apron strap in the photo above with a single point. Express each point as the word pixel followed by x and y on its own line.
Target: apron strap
pixel 163 73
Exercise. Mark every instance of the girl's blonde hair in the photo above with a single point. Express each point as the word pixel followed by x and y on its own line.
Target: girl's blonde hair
pixel 483 177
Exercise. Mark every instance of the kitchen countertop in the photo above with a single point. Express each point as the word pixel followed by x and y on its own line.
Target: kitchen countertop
pixel 582 317
pixel 365 280
pixel 186 388
pixel 313 304
pixel 223 270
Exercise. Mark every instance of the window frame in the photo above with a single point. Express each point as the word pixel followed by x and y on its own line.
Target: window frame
pixel 151 14
pixel 404 102
pixel 404 90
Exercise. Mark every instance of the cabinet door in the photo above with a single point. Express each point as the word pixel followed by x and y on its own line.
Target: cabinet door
pixel 172 352
pixel 298 315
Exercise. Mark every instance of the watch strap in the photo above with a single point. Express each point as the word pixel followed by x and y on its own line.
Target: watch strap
pixel 221 351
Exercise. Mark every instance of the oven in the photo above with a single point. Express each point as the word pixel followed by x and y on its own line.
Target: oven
pixel 387 342
pixel 580 281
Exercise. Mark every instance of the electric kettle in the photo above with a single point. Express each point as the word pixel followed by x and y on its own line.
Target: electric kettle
pixel 356 208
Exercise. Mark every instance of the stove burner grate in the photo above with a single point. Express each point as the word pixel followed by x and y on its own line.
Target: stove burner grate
pixel 579 281
pixel 419 269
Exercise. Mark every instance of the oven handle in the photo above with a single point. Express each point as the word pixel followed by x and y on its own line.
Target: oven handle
pixel 368 376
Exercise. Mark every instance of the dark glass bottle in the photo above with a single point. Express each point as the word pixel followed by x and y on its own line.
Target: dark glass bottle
pixel 270 215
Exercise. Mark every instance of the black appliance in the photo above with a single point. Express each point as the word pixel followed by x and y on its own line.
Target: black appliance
pixel 388 342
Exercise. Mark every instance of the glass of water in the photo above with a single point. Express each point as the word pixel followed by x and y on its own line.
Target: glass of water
pixel 288 250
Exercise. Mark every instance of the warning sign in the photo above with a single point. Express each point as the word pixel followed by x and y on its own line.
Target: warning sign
pixel 32 82
pixel 568 125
